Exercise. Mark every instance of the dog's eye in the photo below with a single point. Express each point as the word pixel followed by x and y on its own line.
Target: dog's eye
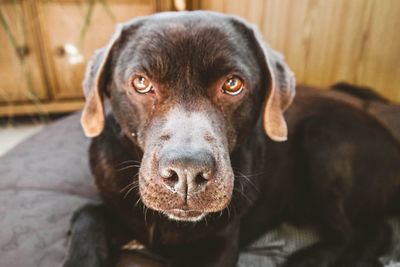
pixel 141 84
pixel 233 85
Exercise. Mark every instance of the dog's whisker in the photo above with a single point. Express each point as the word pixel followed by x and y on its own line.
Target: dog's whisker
pixel 128 167
pixel 133 187
pixel 126 187
pixel 248 175
pixel 246 181
pixel 134 182
pixel 145 216
pixel 134 178
pixel 243 195
pixel 242 187
pixel 144 207
pixel 241 175
pixel 127 193
pixel 128 161
pixel 138 202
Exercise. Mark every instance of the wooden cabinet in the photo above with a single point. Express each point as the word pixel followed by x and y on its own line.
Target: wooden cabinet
pixel 70 40
pixel 46 45
pixel 21 74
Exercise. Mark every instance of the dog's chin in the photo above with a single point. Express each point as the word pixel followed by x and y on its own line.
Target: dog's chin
pixel 185 215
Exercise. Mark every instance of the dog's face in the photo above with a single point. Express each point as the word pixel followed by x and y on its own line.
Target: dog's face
pixel 185 88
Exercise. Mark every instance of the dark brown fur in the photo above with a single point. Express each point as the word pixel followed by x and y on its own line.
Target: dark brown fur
pixel 339 170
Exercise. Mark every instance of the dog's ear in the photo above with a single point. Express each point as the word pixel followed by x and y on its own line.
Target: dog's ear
pixel 92 119
pixel 281 92
pixel 281 86
pixel 96 78
pixel 93 116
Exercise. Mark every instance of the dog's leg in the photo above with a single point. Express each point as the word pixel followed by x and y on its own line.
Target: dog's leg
pixel 88 243
pixel 219 251
pixel 216 253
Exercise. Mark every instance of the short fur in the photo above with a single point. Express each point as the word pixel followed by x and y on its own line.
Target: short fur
pixel 339 169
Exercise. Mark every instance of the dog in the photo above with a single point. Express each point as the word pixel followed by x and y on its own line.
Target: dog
pixel 206 148
pixel 365 98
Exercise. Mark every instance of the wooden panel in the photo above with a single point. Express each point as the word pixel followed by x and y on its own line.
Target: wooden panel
pixel 326 41
pixel 21 78
pixel 379 64
pixel 42 109
pixel 62 27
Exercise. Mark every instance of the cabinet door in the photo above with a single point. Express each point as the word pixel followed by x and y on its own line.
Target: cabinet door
pixel 21 76
pixel 72 30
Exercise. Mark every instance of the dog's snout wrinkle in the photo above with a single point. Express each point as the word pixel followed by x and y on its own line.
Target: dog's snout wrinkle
pixel 165 137
pixel 186 171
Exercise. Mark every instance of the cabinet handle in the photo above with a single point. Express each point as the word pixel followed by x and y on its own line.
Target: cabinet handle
pixel 59 51
pixel 23 51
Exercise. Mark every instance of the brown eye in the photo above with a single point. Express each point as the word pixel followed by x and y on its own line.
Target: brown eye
pixel 141 84
pixel 233 85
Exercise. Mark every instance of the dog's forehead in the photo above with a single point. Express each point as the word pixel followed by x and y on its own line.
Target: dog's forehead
pixel 167 47
pixel 193 19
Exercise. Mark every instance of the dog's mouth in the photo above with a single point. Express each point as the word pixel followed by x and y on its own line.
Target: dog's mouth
pixel 193 207
pixel 185 215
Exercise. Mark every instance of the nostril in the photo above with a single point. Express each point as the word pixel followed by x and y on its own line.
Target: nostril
pixel 201 179
pixel 170 177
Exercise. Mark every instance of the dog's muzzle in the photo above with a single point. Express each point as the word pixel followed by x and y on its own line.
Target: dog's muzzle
pixel 186 171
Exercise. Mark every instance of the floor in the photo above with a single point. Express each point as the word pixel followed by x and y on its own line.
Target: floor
pixel 12 134
pixel 14 130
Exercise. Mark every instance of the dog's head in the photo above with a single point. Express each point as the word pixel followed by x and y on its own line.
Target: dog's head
pixel 186 88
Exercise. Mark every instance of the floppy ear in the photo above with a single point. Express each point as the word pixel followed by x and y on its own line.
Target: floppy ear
pixel 281 87
pixel 93 117
pixel 281 90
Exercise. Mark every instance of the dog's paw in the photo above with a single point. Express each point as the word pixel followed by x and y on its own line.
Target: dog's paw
pixel 73 263
pixel 87 238
pixel 87 263
pixel 86 259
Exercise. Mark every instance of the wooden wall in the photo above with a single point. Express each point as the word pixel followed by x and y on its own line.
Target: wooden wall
pixel 325 41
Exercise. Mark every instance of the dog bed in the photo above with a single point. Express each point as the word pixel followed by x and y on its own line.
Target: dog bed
pixel 46 177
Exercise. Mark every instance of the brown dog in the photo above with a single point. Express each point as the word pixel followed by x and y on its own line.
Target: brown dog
pixel 191 160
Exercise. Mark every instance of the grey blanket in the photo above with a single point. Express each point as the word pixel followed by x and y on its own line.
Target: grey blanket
pixel 45 178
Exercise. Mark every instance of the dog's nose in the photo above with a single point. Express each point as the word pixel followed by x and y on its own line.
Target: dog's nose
pixel 186 171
